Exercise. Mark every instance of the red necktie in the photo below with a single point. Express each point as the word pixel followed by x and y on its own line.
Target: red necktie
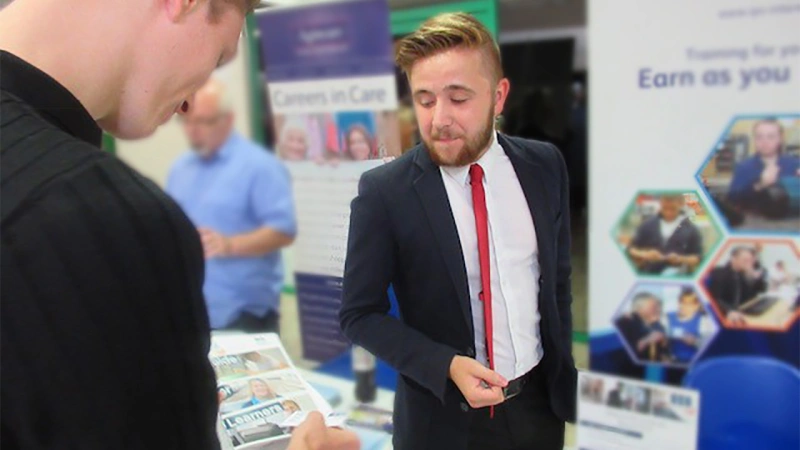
pixel 482 228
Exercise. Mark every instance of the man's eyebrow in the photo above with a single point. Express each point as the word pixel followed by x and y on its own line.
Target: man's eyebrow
pixel 458 87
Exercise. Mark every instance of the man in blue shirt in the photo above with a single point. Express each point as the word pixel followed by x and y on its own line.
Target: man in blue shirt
pixel 756 178
pixel 239 197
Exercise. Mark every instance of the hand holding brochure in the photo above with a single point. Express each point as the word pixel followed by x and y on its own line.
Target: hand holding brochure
pixel 258 390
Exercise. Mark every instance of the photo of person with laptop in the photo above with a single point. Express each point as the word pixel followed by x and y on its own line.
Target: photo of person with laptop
pixel 755 284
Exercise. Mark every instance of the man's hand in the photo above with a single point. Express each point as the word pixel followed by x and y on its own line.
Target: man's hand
pixel 470 375
pixel 652 338
pixel 753 274
pixel 312 434
pixel 736 318
pixel 689 339
pixel 643 255
pixel 770 175
pixel 214 243
pixel 674 259
pixel 653 256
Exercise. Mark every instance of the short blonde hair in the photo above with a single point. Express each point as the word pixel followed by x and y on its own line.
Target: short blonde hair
pixel 446 32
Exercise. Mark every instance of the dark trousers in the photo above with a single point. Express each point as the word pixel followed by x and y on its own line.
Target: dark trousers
pixel 250 323
pixel 525 422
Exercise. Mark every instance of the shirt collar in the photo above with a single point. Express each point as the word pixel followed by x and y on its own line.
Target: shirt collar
pixel 50 99
pixel 675 222
pixel 487 161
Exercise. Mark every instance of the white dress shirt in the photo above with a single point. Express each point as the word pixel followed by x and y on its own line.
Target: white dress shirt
pixel 668 228
pixel 514 262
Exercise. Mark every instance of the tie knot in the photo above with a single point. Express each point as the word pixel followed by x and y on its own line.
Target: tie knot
pixel 475 174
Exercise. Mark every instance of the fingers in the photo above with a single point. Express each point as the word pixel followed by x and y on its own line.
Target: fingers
pixel 212 241
pixel 481 397
pixel 312 430
pixel 340 440
pixel 313 434
pixel 489 376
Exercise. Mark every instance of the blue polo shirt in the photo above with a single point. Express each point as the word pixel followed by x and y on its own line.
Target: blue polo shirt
pixel 241 188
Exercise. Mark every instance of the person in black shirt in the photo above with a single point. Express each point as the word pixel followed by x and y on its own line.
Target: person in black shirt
pixel 668 241
pixel 642 329
pixel 615 397
pixel 104 334
pixel 740 280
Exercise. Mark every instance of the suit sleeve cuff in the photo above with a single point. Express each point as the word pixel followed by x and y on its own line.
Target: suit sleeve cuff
pixel 439 371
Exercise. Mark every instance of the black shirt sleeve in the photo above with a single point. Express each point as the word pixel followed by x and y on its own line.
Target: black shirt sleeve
pixel 105 334
pixel 695 245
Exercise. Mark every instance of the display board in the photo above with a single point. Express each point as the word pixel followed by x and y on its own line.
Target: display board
pixel 695 206
pixel 331 85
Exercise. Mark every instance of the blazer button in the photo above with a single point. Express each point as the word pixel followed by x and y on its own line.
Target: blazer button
pixel 464 406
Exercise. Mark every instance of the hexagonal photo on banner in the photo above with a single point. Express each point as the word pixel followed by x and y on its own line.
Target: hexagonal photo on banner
pixel 752 175
pixel 755 284
pixel 667 234
pixel 665 324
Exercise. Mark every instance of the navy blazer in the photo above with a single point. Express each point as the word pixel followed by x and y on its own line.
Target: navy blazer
pixel 402 233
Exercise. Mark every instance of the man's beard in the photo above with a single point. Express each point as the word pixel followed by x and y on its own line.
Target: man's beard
pixel 469 152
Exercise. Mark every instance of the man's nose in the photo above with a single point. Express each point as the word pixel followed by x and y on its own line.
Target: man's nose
pixel 441 115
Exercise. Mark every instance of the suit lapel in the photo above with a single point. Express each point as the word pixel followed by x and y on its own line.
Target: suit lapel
pixel 431 191
pixel 531 176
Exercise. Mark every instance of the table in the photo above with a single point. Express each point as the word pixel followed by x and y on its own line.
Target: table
pixel 777 316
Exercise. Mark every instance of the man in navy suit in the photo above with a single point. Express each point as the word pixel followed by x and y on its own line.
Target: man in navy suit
pixel 471 229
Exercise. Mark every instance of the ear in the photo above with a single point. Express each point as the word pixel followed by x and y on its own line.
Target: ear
pixel 177 10
pixel 500 95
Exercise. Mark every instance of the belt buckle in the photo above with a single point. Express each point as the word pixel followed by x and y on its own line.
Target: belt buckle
pixel 513 389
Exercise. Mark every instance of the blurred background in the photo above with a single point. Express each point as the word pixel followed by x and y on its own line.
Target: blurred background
pixel 543 46
pixel 676 161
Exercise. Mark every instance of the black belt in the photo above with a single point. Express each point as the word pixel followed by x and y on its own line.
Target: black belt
pixel 515 386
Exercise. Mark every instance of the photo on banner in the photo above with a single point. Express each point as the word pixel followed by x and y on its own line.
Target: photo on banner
pixel 305 137
pixel 332 91
pixel 387 125
pixel 707 99
pixel 664 324
pixel 666 234
pixel 752 175
pixel 357 137
pixel 754 284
